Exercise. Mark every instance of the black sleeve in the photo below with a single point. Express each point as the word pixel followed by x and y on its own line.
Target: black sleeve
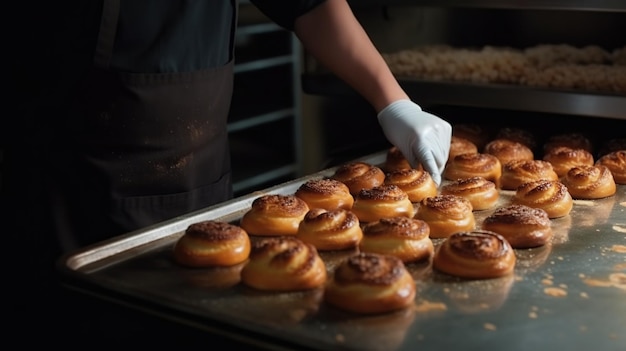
pixel 284 13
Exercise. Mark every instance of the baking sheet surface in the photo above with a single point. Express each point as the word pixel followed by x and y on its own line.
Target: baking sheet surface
pixel 571 293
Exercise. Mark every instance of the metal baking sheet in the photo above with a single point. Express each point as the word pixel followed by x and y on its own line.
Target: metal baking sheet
pixel 570 294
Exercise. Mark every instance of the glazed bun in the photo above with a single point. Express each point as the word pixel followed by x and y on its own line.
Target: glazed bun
pixel 474 165
pixel 564 158
pixel 477 254
pixel 212 243
pixel 522 226
pixel 590 182
pixel 330 230
pixel 616 162
pixel 329 194
pixel 382 202
pixel 508 150
pixel 405 238
pixel 274 214
pixel 516 173
pixel 369 283
pixel 551 196
pixel 359 175
pixel 459 146
pixel 446 214
pixel 283 264
pixel 482 193
pixel 416 183
pixel 572 140
pixel 395 160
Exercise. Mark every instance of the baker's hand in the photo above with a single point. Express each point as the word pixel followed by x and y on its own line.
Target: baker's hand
pixel 422 137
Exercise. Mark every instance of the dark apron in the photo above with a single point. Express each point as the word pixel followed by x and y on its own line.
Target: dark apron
pixel 153 146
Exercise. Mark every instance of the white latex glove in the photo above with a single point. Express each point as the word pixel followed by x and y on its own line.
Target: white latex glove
pixel 422 137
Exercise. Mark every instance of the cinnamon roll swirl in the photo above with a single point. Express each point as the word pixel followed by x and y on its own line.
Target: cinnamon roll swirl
pixel 359 175
pixel 405 238
pixel 474 165
pixel 522 226
pixel 482 193
pixel 416 183
pixel 329 194
pixel 549 195
pixel 369 283
pixel 274 214
pixel 330 230
pixel 477 254
pixel 616 162
pixel 383 201
pixel 590 182
pixel 212 243
pixel 563 158
pixel 283 264
pixel 516 173
pixel 446 214
pixel 395 160
pixel 508 150
pixel 459 146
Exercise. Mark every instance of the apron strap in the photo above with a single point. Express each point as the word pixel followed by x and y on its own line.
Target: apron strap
pixel 106 35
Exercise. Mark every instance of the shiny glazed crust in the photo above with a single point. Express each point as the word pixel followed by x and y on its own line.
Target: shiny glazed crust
pixel 283 264
pixel 274 214
pixel 522 226
pixel 382 201
pixel 516 173
pixel 563 158
pixel 325 193
pixel 405 238
pixel 616 162
pixel 590 182
pixel 446 215
pixel 482 193
pixel 549 195
pixel 338 229
pixel 369 283
pixel 508 150
pixel 212 243
pixel 416 183
pixel 395 160
pixel 477 254
pixel 474 165
pixel 359 175
pixel 459 146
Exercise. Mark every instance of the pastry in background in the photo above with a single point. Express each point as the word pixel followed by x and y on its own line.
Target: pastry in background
pixel 477 254
pixel 459 146
pixel 516 173
pixel 382 201
pixel 551 196
pixel 615 161
pixel 359 175
pixel 522 226
pixel 337 229
pixel 590 182
pixel 519 135
pixel 572 140
pixel 482 193
pixel 446 215
pixel 612 145
pixel 474 165
pixel 395 160
pixel 508 150
pixel 564 158
pixel 326 193
pixel 475 133
pixel 416 183
pixel 274 215
pixel 405 238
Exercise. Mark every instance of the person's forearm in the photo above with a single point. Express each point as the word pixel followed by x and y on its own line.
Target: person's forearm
pixel 332 35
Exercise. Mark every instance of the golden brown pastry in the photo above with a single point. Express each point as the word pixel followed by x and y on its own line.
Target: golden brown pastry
pixel 477 254
pixel 405 238
pixel 329 230
pixel 522 226
pixel 325 193
pixel 474 165
pixel 549 195
pixel 590 182
pixel 383 201
pixel 475 133
pixel 508 150
pixel 516 173
pixel 359 175
pixel 616 162
pixel 563 158
pixel 459 146
pixel 274 214
pixel 416 183
pixel 572 140
pixel 482 193
pixel 212 243
pixel 446 214
pixel 283 264
pixel 395 160
pixel 519 135
pixel 369 283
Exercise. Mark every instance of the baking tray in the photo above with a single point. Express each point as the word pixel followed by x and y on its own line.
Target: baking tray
pixel 569 294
